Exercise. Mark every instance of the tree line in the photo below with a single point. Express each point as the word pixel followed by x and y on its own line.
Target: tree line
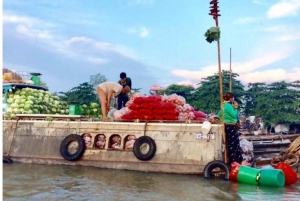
pixel 277 102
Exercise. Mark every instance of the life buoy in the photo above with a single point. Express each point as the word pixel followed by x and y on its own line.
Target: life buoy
pixel 137 148
pixel 207 172
pixel 7 160
pixel 66 142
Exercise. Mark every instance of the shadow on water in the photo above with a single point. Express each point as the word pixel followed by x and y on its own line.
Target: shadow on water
pixel 50 182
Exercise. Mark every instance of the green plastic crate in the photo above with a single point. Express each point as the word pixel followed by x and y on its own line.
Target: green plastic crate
pixel 75 110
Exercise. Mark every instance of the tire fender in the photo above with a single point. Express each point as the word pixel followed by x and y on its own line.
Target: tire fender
pixel 137 148
pixel 216 164
pixel 7 160
pixel 64 147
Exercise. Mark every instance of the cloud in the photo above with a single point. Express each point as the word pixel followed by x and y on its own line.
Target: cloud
pixel 284 8
pixel 28 26
pixel 90 46
pixel 248 70
pixel 97 61
pixel 142 32
pixel 18 19
pixel 269 76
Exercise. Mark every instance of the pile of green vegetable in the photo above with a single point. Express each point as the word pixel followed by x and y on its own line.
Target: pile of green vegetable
pixel 91 110
pixel 34 101
pixel 212 34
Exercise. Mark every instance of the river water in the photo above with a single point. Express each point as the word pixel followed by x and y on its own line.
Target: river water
pixel 50 182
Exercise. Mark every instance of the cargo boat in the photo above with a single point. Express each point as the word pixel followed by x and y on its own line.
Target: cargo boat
pixel 173 147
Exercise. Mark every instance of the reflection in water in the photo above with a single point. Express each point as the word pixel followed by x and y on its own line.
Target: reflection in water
pixel 49 182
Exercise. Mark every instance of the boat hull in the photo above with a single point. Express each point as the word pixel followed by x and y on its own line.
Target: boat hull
pixel 180 147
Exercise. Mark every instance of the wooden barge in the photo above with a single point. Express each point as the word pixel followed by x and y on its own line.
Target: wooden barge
pixel 178 147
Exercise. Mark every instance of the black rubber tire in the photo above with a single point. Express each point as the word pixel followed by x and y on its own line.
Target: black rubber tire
pixel 137 150
pixel 64 147
pixel 216 164
pixel 7 160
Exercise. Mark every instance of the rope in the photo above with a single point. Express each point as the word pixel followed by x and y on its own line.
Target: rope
pixel 290 156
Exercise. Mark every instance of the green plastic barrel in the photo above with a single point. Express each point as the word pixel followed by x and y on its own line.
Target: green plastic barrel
pixel 248 175
pixel 75 110
pixel 36 80
pixel 272 177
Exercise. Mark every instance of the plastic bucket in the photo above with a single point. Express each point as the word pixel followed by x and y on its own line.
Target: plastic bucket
pixel 272 177
pixel 206 126
pixel 248 175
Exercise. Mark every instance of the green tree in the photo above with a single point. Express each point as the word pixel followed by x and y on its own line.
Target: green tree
pixel 97 79
pixel 136 90
pixel 255 90
pixel 207 96
pixel 278 102
pixel 82 94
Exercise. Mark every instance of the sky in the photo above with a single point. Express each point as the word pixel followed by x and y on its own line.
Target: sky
pixel 154 42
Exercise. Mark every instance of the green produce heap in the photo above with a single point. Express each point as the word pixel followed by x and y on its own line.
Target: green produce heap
pixel 34 101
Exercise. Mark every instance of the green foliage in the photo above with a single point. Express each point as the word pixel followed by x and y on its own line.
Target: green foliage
pixel 97 79
pixel 277 102
pixel 136 90
pixel 83 94
pixel 207 95
pixel 212 34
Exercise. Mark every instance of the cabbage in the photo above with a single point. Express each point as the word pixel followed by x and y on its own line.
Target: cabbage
pixel 16 110
pixel 10 100
pixel 29 102
pixel 35 111
pixel 21 105
pixel 28 112
pixel 30 97
pixel 14 105
pixel 9 110
pixel 27 106
pixel 94 105
pixel 23 93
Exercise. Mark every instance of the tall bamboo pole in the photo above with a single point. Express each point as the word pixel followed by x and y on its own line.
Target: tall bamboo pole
pixel 221 96
pixel 230 81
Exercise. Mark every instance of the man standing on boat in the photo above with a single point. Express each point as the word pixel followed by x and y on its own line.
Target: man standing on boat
pixel 123 97
pixel 106 91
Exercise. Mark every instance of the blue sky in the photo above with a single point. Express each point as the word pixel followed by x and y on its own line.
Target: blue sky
pixel 154 42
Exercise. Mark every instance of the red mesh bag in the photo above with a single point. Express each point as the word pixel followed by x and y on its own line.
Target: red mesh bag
pixel 159 111
pixel 154 98
pixel 170 117
pixel 199 114
pixel 126 116
pixel 148 117
pixel 135 112
pixel 134 106
pixel 169 106
pixel 145 112
pixel 139 100
pixel 158 117
pixel 171 112
pixel 157 105
pixel 148 106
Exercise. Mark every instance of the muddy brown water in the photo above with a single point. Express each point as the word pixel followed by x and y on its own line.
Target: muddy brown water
pixel 51 182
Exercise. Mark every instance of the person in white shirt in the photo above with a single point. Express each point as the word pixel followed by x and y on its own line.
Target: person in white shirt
pixel 106 91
